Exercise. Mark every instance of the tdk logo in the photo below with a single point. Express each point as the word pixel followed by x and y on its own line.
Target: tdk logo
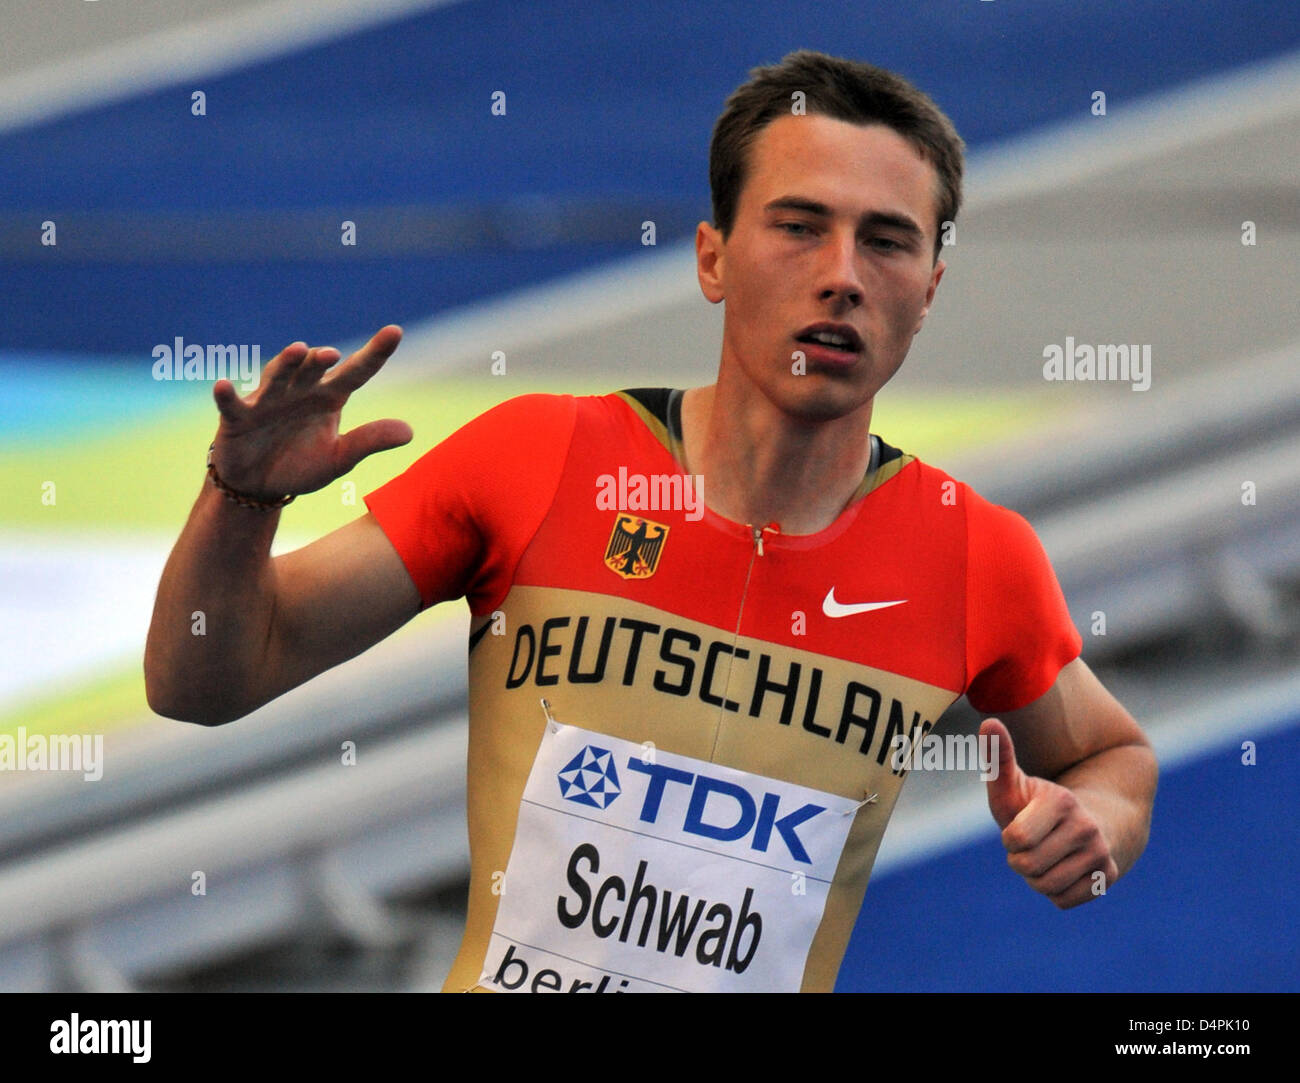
pixel 589 778
pixel 722 810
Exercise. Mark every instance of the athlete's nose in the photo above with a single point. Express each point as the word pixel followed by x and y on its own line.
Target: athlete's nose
pixel 839 279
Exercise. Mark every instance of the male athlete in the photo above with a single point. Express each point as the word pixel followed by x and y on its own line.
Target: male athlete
pixel 681 725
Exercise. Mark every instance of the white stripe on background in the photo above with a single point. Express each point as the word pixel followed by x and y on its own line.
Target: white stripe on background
pixel 196 49
pixel 1191 114
pixel 1042 160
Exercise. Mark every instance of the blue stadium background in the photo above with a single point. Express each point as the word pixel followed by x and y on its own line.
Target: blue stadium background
pixel 589 114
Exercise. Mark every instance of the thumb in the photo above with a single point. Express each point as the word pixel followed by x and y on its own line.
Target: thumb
pixel 1008 791
pixel 370 438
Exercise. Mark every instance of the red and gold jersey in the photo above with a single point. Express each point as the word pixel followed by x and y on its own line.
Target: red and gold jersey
pixel 600 582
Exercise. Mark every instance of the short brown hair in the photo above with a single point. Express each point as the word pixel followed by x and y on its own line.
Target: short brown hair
pixel 843 90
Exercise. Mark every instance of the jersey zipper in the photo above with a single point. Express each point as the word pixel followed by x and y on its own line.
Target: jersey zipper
pixel 756 552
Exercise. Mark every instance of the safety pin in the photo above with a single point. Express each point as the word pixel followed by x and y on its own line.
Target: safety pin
pixel 554 724
pixel 870 799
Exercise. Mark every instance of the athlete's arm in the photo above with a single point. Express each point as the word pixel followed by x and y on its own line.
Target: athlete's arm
pixel 233 628
pixel 1075 785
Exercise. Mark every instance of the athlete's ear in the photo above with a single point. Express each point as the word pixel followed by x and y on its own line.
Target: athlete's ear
pixel 939 268
pixel 709 261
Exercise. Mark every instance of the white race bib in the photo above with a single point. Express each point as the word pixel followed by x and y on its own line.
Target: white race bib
pixel 636 870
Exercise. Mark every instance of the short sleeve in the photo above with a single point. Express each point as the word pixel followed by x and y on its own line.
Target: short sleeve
pixel 462 514
pixel 1019 635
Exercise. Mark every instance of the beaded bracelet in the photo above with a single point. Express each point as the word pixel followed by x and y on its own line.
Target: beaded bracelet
pixel 239 498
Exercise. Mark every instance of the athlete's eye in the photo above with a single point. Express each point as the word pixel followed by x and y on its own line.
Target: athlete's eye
pixel 795 229
pixel 885 244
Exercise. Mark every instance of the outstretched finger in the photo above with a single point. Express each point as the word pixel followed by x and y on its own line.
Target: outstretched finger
pixel 368 360
pixel 283 366
pixel 230 405
pixel 318 361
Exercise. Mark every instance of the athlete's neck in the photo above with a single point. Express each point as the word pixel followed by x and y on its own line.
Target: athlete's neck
pixel 761 466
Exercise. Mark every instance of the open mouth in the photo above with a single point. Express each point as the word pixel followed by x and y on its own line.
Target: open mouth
pixel 836 340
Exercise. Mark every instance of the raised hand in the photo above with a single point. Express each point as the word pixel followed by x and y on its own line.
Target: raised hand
pixel 284 437
pixel 1051 839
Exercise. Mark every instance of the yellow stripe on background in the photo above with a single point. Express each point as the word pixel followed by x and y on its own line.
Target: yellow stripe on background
pixel 146 478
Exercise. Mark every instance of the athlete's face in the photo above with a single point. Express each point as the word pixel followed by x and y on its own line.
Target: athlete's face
pixel 835 226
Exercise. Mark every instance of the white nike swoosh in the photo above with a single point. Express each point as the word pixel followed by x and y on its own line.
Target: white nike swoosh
pixel 832 608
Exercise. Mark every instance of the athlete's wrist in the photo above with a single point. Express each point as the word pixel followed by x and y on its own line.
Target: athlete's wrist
pixel 244 500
